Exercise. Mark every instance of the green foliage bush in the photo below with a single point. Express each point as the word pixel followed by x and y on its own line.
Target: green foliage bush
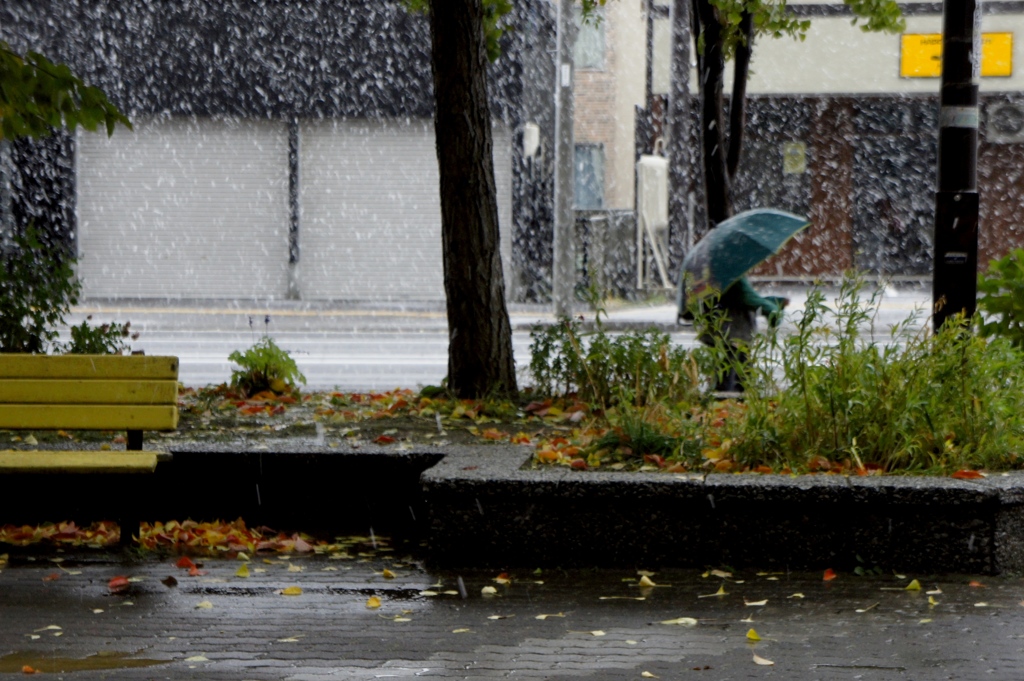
pixel 824 391
pixel 265 366
pixel 604 368
pixel 1001 298
pixel 105 339
pixel 37 290
pixel 916 402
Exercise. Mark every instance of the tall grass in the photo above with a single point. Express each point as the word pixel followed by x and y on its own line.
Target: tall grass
pixel 916 401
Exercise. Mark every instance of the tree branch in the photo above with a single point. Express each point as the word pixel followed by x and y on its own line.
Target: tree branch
pixel 738 101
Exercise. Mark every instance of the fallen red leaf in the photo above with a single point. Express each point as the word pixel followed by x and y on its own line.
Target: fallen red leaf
pixel 967 475
pixel 52 577
pixel 655 459
pixel 384 439
pixel 578 464
pixel 830 574
pixel 186 563
pixel 118 585
pixel 537 406
pixel 976 584
pixel 196 572
pixel 28 670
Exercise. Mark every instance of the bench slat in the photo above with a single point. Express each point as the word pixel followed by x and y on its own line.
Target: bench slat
pixel 14 365
pixel 45 391
pixel 88 417
pixel 46 462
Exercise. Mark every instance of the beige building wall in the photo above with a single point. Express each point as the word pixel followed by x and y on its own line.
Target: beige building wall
pixel 606 98
pixel 839 58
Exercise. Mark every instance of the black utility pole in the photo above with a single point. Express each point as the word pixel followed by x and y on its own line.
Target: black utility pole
pixel 955 271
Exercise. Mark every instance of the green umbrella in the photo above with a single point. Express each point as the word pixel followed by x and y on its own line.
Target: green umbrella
pixel 732 249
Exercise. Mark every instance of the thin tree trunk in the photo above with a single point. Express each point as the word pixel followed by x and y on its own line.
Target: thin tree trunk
pixel 738 101
pixel 480 359
pixel 711 76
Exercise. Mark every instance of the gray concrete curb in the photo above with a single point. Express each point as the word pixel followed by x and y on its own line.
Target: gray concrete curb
pixel 476 506
pixel 485 510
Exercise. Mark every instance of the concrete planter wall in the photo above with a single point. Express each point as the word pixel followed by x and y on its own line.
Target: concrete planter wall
pixel 485 510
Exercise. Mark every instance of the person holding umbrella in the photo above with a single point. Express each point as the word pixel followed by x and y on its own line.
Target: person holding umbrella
pixel 717 266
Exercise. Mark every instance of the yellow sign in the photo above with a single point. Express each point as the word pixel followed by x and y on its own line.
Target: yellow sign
pixel 921 55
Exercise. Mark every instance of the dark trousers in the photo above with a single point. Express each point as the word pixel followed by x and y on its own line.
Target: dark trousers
pixel 729 378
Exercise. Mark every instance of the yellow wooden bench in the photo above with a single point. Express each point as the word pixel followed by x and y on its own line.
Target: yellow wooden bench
pixel 87 392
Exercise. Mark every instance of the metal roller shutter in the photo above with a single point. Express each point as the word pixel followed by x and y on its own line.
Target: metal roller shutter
pixel 184 208
pixel 370 209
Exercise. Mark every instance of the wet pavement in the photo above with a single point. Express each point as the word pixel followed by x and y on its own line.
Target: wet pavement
pixel 599 624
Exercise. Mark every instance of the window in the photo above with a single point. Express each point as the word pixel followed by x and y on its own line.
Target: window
pixel 589 51
pixel 589 177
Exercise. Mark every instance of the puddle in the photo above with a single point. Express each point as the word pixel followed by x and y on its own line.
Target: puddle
pixel 50 664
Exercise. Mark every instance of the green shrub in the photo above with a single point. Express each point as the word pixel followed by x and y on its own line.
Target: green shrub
pixel 37 290
pixel 1001 297
pixel 265 366
pixel 916 402
pixel 105 339
pixel 602 368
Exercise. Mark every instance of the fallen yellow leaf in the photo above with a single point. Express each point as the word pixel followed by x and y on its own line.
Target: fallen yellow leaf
pixel 647 581
pixel 796 595
pixel 294 568
pixel 373 603
pixel 648 675
pixel 202 605
pixel 388 574
pixel 755 603
pixel 196 658
pixel 926 620
pixel 752 635
pixel 291 591
pixel 913 586
pixel 499 617
pixel 720 592
pixel 761 661
pixel 544 617
pixel 596 632
pixel 681 621
pixel 243 571
pixel 626 598
pixel 932 601
pixel 488 591
pixel 721 573
pixel 460 631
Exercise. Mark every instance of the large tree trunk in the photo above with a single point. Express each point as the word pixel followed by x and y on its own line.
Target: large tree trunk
pixel 711 74
pixel 479 334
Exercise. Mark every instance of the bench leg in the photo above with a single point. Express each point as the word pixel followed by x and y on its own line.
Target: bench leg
pixel 134 440
pixel 129 526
